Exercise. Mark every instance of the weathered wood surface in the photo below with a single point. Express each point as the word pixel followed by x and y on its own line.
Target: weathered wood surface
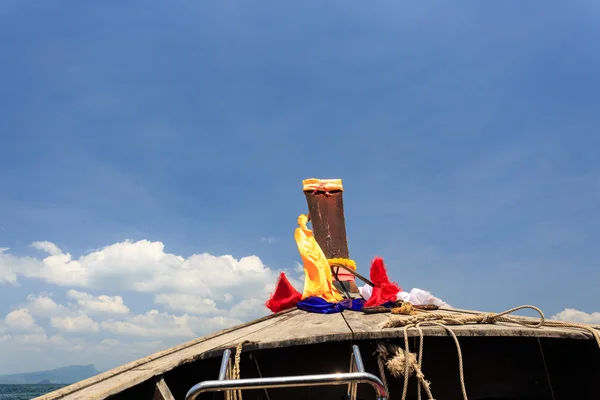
pixel 138 370
pixel 326 212
pixel 294 328
pixel 300 328
pixel 366 326
pixel 289 328
pixel 328 223
pixel 162 391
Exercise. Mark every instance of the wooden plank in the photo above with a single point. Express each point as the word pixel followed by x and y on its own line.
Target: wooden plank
pixel 366 326
pixel 303 328
pixel 329 226
pixel 161 390
pixel 103 389
pixel 210 348
pixel 295 329
pixel 115 375
pixel 474 312
pixel 289 328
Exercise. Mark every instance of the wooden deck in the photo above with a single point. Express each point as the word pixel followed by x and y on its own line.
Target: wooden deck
pixel 289 328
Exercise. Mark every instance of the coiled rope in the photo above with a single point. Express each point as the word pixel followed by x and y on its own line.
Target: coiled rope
pixel 401 362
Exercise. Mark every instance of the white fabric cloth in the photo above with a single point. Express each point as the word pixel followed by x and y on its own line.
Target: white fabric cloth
pixel 365 291
pixel 416 296
pixel 419 297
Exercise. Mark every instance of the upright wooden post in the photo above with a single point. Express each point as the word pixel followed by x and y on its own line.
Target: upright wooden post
pixel 326 209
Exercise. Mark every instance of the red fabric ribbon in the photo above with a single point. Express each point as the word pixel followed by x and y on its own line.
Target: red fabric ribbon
pixel 284 296
pixel 384 289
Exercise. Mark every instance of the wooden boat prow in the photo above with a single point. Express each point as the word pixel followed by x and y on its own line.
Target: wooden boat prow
pixel 275 338
pixel 498 360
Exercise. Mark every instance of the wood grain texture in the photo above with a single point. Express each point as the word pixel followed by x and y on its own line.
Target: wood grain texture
pixel 328 222
pixel 161 390
pixel 290 328
pixel 366 326
pixel 178 351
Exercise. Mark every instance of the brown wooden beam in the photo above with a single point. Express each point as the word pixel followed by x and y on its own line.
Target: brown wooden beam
pixel 161 390
pixel 328 223
pixel 326 211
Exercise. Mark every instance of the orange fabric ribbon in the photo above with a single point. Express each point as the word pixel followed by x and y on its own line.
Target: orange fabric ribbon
pixel 318 280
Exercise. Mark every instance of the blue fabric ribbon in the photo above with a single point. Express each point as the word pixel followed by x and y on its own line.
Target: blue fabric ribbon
pixel 320 306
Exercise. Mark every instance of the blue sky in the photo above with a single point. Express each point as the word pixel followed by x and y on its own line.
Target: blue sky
pixel 465 135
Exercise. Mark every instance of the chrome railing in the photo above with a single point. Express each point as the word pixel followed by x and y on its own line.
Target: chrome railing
pixel 350 378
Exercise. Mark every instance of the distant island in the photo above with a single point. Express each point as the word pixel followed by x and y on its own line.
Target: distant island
pixel 64 375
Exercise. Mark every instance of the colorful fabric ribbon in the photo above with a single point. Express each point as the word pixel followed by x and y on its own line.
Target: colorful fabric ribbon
pixel 318 280
pixel 384 291
pixel 318 305
pixel 285 295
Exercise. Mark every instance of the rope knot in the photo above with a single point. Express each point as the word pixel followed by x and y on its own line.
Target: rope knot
pixel 488 318
pixel 402 362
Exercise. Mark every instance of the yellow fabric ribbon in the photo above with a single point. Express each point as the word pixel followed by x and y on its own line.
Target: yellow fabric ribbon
pixel 343 261
pixel 318 280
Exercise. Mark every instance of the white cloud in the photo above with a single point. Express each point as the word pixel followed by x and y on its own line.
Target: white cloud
pixel 158 324
pixel 188 303
pixel 249 308
pixel 36 339
pixel 42 305
pixel 193 296
pixel 46 246
pixel 573 315
pixel 7 268
pixel 144 266
pixel 269 240
pixel 99 304
pixel 21 320
pixel 78 323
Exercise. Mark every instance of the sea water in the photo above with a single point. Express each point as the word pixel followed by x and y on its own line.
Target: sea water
pixel 25 392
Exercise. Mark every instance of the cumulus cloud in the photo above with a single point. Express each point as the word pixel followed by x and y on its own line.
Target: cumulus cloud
pixel 8 267
pixel 248 308
pixel 161 324
pixel 36 339
pixel 143 266
pixel 192 296
pixel 573 315
pixel 21 320
pixel 47 247
pixel 78 323
pixel 43 305
pixel 99 304
pixel 39 351
pixel 188 303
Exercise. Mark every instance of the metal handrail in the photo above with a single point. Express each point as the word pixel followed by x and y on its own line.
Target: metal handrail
pixel 289 381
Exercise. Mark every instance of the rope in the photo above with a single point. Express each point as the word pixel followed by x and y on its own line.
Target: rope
pixel 488 318
pixel 404 308
pixel 380 365
pixel 352 387
pixel 236 373
pixel 405 363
